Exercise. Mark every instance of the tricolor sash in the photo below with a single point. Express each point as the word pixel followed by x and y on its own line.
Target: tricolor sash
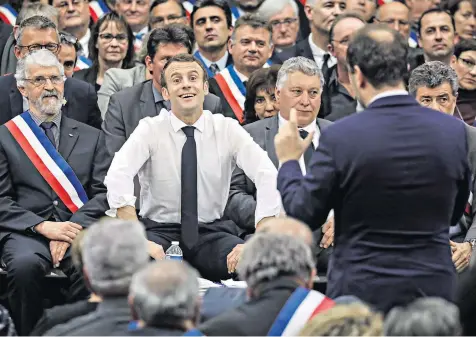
pixel 82 62
pixel 188 6
pixel 233 89
pixel 235 15
pixel 8 14
pixel 301 306
pixel 97 9
pixel 199 57
pixel 48 161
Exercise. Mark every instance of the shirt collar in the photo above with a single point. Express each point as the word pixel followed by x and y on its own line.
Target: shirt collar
pixel 56 120
pixel 177 124
pixel 318 53
pixel 309 128
pixel 157 95
pixel 221 63
pixel 240 75
pixel 388 93
pixel 140 34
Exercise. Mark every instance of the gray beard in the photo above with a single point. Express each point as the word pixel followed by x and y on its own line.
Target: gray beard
pixel 48 109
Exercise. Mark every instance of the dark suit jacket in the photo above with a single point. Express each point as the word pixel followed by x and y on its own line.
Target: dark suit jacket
pixel 26 199
pixel 88 75
pixel 112 315
pixel 255 317
pixel 396 181
pixel 5 31
pixel 302 48
pixel 81 101
pixel 129 106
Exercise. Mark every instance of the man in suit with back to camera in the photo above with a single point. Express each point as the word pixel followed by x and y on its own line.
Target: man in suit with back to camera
pixel 435 85
pixel 128 107
pixel 191 153
pixel 52 171
pixel 393 195
pixel 36 33
pixel 299 86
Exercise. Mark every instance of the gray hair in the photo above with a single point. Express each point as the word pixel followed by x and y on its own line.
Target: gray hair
pixel 35 9
pixel 113 250
pixel 42 58
pixel 165 291
pixel 270 8
pixel 431 75
pixel 267 256
pixel 301 64
pixel 429 316
pixel 37 22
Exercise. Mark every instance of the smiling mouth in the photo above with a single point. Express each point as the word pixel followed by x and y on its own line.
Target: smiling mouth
pixel 187 96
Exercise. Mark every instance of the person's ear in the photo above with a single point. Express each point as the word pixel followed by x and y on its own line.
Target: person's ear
pixel 149 64
pixel 277 96
pixel 205 88
pixel 165 94
pixel 22 91
pixel 330 48
pixel 308 12
pixel 230 46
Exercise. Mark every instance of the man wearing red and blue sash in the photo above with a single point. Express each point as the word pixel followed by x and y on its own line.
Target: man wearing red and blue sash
pixel 250 46
pixel 51 186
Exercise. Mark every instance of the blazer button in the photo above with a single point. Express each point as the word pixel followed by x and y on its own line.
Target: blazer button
pixel 55 202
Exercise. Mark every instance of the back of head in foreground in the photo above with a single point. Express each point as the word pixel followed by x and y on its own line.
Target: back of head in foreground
pixel 429 316
pixel 113 250
pixel 166 294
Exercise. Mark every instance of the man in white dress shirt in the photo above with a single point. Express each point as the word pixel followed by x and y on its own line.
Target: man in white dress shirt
pixel 185 159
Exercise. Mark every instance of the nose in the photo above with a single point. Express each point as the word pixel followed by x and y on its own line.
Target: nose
pixel 208 24
pixel 337 10
pixel 133 6
pixel 49 85
pixel 283 29
pixel 70 7
pixel 438 34
pixel 396 26
pixel 253 46
pixel 434 105
pixel 304 99
pixel 269 106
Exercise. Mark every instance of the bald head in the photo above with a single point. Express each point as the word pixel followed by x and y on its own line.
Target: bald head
pixel 288 226
pixel 395 15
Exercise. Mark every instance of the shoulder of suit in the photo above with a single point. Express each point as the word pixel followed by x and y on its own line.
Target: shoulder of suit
pixel 7 78
pixel 323 123
pixel 127 93
pixel 260 125
pixel 82 127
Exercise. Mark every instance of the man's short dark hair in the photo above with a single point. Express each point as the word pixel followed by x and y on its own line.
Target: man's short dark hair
pixel 383 62
pixel 339 19
pixel 465 45
pixel 183 12
pixel 223 5
pixel 254 22
pixel 184 58
pixel 435 10
pixel 70 40
pixel 173 34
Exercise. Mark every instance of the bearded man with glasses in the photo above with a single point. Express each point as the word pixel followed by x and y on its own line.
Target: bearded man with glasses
pixel 80 104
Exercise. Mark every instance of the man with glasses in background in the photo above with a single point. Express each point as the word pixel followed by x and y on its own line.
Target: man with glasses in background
pixel 137 14
pixel 74 19
pixel 80 102
pixel 164 12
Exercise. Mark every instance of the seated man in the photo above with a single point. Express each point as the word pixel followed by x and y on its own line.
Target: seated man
pixel 164 303
pixel 279 270
pixel 296 74
pixel 435 85
pixel 51 186
pixel 185 158
pixel 113 251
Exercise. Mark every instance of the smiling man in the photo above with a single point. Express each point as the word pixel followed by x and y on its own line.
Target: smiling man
pixel 191 153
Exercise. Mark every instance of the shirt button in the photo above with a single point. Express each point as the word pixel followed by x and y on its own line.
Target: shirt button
pixel 55 202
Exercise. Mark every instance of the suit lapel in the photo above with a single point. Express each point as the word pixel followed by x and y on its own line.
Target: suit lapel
pixel 16 100
pixel 271 131
pixel 147 103
pixel 68 137
pixel 65 108
pixel 305 49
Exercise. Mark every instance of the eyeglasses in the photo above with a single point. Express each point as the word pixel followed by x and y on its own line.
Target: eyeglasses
pixel 40 81
pixel 286 22
pixel 121 38
pixel 160 19
pixel 469 64
pixel 393 21
pixel 68 39
pixel 65 4
pixel 52 47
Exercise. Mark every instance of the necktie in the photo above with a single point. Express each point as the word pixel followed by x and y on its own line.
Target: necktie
pixel 189 210
pixel 309 150
pixel 46 126
pixel 325 67
pixel 214 68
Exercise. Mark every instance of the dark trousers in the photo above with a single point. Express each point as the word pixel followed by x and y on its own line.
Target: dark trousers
pixel 28 260
pixel 215 241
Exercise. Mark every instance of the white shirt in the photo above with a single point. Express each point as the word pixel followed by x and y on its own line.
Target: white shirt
pixel 221 63
pixel 240 75
pixel 84 42
pixel 315 140
pixel 318 54
pixel 26 104
pixel 154 151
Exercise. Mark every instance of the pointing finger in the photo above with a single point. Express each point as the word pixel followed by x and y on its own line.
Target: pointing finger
pixel 293 116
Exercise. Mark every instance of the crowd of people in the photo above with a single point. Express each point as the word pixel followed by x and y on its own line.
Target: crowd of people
pixel 277 141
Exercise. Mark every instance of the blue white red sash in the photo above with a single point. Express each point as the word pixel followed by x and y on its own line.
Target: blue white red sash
pixel 82 62
pixel 97 9
pixel 301 306
pixel 235 15
pixel 233 89
pixel 199 57
pixel 8 14
pixel 188 6
pixel 48 161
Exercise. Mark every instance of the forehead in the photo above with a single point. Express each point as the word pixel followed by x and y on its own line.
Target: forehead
pixel 333 2
pixel 170 49
pixel 465 6
pixel 471 54
pixel 435 20
pixel 303 81
pixel 443 89
pixel 112 26
pixel 183 68
pixel 39 36
pixel 394 10
pixel 249 32
pixel 285 13
pixel 209 11
pixel 347 26
pixel 36 70
pixel 167 7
